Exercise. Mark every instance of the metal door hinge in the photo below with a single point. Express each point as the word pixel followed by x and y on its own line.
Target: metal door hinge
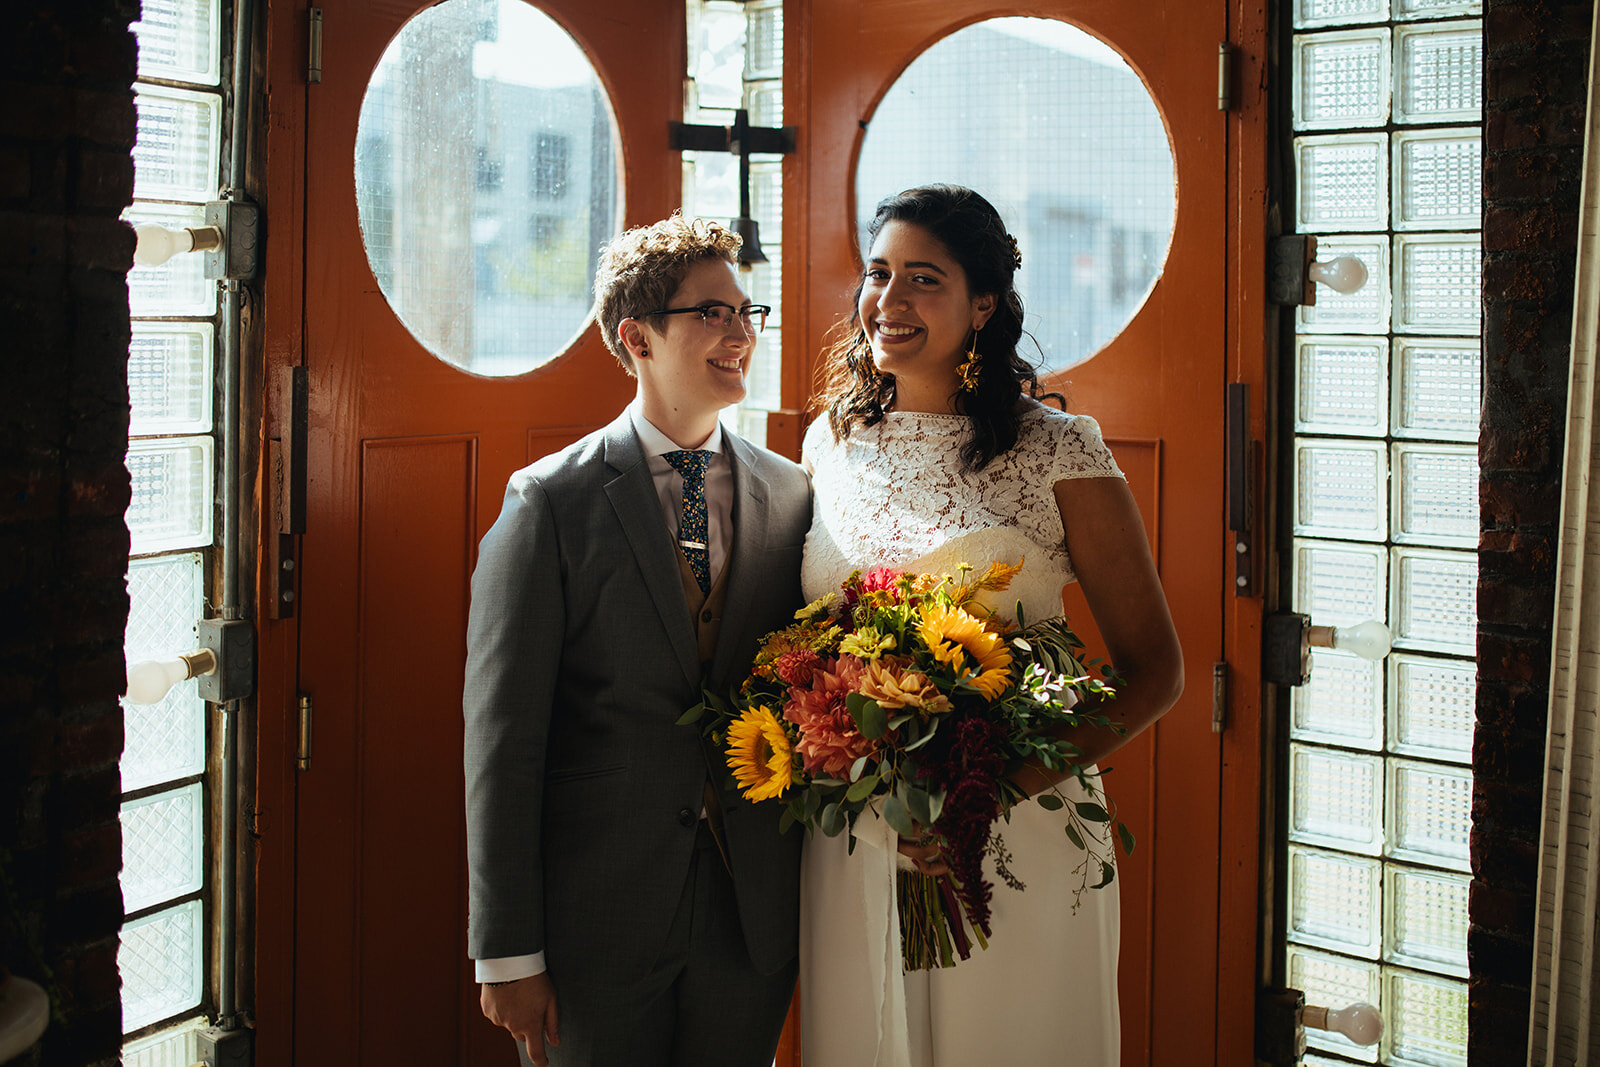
pixel 1224 77
pixel 303 748
pixel 1219 697
pixel 314 46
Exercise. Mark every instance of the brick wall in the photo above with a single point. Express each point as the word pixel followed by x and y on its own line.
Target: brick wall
pixel 65 174
pixel 1536 57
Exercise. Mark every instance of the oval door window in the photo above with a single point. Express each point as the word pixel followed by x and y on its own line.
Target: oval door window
pixel 1056 130
pixel 486 182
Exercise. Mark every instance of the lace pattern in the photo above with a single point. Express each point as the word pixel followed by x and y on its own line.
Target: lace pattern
pixel 894 493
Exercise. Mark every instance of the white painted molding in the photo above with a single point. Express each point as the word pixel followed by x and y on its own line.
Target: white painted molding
pixel 1563 1027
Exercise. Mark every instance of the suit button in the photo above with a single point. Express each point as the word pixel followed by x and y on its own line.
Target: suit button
pixel 685 817
pixel 705 616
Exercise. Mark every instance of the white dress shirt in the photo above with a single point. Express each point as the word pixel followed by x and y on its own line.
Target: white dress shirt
pixel 719 529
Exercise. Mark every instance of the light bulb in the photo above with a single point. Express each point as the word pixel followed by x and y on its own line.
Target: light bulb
pixel 157 244
pixel 1361 1023
pixel 1342 274
pixel 1369 640
pixel 152 679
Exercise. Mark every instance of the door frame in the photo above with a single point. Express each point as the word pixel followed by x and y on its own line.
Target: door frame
pixel 282 162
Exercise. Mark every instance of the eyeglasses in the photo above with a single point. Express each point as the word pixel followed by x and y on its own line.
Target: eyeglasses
pixel 753 317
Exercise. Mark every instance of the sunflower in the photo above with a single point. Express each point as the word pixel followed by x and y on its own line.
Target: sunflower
pixel 759 754
pixel 949 632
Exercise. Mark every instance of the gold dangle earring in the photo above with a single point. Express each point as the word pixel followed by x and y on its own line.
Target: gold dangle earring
pixel 968 371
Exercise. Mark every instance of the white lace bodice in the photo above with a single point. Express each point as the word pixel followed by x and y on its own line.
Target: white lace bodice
pixel 894 495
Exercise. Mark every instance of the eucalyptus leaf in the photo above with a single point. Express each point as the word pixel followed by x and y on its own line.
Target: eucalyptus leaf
pixel 1125 835
pixel 832 820
pixel 917 802
pixel 811 804
pixel 1091 811
pixel 785 821
pixel 1073 835
pixel 898 818
pixel 1107 874
pixel 933 727
pixel 873 720
pixel 857 767
pixel 692 715
pixel 862 788
pixel 1050 802
pixel 935 806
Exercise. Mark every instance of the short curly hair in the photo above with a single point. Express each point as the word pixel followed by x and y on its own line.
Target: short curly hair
pixel 641 268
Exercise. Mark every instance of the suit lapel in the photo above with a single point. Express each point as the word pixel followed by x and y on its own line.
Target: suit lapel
pixel 751 505
pixel 638 509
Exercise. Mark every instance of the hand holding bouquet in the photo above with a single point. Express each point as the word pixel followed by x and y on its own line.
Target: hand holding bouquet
pixel 904 693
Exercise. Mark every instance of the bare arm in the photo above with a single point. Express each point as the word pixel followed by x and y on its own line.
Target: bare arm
pixel 1111 555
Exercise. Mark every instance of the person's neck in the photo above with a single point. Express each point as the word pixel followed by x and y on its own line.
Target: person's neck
pixel 925 397
pixel 687 429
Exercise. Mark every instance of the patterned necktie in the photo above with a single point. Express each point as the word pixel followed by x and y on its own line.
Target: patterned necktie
pixel 692 534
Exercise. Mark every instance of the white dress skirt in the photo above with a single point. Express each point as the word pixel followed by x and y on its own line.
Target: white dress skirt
pixel 1045 990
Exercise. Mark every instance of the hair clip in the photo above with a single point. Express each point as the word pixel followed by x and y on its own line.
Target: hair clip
pixel 1016 253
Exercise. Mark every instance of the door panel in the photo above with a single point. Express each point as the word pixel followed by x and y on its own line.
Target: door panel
pixel 408 463
pixel 1158 392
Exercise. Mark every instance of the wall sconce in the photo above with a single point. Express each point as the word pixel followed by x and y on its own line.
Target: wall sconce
pixel 229 239
pixel 741 139
pixel 1287 638
pixel 1282 1017
pixel 225 664
pixel 1294 271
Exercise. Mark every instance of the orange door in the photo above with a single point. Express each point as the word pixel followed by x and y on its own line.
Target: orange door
pixel 407 465
pixel 1158 390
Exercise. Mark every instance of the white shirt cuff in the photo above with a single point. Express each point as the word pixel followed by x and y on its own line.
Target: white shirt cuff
pixel 508 968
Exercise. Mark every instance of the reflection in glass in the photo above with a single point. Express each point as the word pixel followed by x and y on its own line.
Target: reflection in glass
pixel 486 179
pixel 1087 190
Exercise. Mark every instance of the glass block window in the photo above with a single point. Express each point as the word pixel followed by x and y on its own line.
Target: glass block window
pixel 173 453
pixel 1386 164
pixel 736 61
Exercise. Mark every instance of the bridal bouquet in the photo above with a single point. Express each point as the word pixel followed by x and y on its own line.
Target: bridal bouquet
pixel 903 692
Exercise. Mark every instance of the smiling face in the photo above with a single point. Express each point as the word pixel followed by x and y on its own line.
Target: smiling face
pixel 918 314
pixel 688 371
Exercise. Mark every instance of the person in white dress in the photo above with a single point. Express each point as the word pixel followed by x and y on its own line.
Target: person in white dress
pixel 935 451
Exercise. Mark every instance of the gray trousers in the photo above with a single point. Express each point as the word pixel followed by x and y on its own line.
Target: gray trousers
pixel 702 1004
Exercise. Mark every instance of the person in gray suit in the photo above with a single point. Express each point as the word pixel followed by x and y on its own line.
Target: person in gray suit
pixel 625 908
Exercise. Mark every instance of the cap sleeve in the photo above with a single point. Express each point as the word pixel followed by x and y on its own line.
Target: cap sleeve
pixel 1082 453
pixel 817 441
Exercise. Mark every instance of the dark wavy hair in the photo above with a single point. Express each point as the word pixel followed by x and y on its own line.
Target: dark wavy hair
pixel 854 392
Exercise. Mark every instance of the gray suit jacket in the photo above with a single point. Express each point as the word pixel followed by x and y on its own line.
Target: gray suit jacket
pixel 582 792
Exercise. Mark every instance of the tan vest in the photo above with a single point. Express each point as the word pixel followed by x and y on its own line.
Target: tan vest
pixel 706 608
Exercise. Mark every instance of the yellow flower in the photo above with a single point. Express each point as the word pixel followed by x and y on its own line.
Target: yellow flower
pixel 892 685
pixel 996 577
pixel 950 632
pixel 800 635
pixel 867 643
pixel 817 607
pixel 759 754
